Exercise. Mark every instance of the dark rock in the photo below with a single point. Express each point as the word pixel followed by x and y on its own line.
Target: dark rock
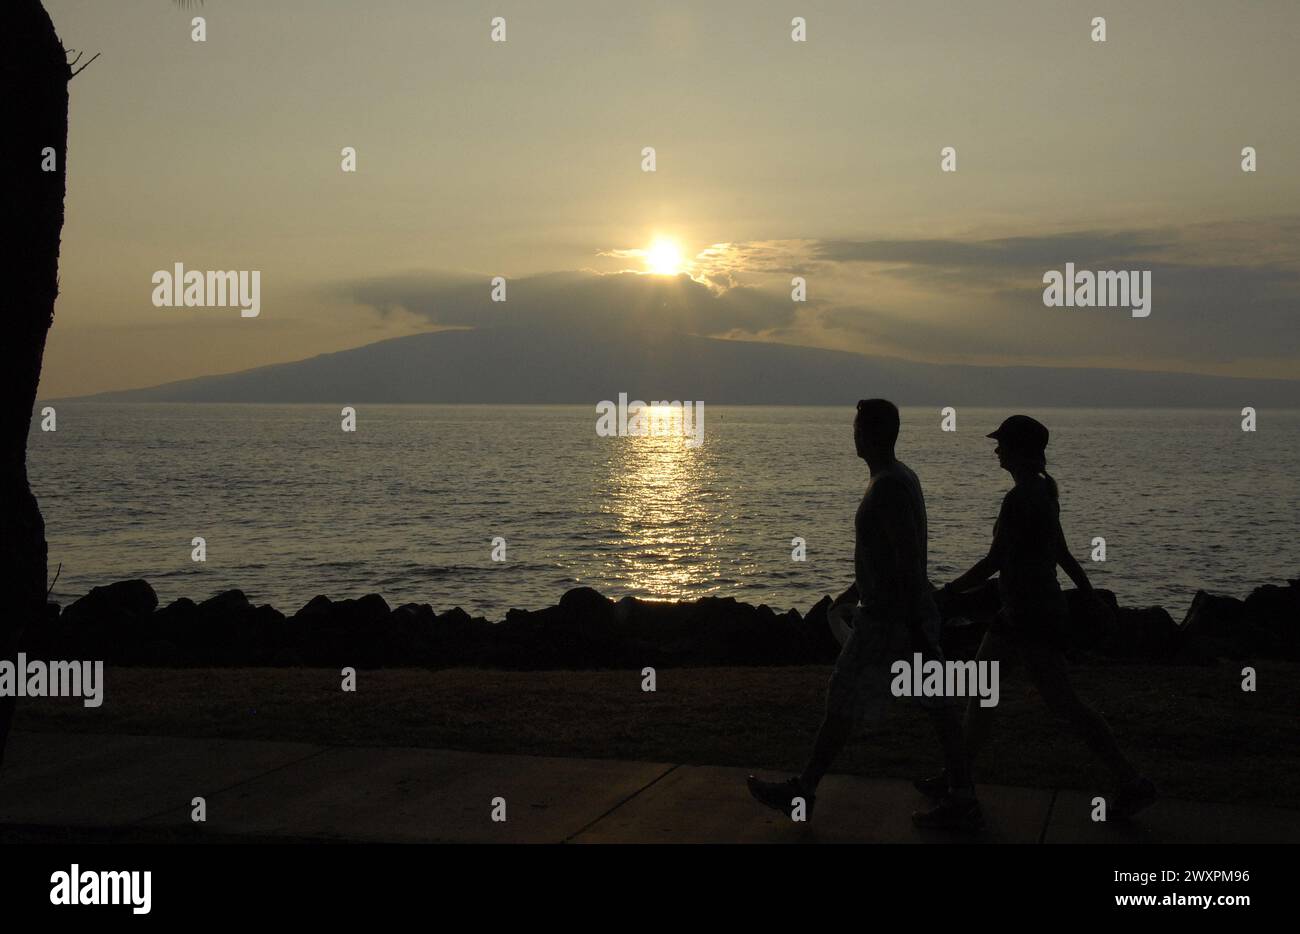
pixel 178 610
pixel 415 623
pixel 1213 624
pixel 159 653
pixel 319 605
pixel 463 639
pixel 822 645
pixel 414 613
pixel 227 603
pixel 133 600
pixel 1275 605
pixel 581 632
pixel 359 632
pixel 454 622
pixel 625 608
pixel 1274 612
pixel 121 624
pixel 1090 626
pixel 108 623
pixel 584 601
pixel 224 631
pixel 1267 623
pixel 362 611
pixel 174 623
pixel 408 639
pixel 1149 634
pixel 368 609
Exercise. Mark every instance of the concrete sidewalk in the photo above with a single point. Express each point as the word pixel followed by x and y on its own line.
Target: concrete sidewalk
pixel 303 791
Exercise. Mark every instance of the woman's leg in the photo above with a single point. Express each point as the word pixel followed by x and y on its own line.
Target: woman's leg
pixel 1046 665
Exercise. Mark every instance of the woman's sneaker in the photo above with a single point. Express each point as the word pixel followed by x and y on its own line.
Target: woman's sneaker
pixel 1133 797
pixel 936 786
pixel 952 813
pixel 780 796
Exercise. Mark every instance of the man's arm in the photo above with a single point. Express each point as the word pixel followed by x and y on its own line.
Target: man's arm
pixel 903 534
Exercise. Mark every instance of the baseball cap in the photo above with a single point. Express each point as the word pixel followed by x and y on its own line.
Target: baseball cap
pixel 1021 431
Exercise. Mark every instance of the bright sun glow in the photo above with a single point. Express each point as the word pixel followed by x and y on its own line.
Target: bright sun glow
pixel 664 258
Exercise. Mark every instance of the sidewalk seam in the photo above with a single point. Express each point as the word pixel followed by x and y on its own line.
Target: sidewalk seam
pixel 1051 806
pixel 593 823
pixel 254 778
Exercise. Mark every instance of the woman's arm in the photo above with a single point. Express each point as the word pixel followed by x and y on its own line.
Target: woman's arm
pixel 1068 563
pixel 982 571
pixel 987 566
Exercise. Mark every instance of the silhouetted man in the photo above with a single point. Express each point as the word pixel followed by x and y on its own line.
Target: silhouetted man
pixel 895 616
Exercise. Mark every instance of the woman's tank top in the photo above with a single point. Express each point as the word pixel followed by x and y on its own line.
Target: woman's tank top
pixel 1025 537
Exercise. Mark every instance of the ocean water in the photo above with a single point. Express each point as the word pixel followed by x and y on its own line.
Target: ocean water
pixel 408 505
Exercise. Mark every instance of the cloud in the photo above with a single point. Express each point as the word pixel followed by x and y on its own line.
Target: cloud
pixel 1225 298
pixel 1083 249
pixel 1223 294
pixel 631 302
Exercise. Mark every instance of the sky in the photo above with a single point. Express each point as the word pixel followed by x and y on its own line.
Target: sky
pixel 774 159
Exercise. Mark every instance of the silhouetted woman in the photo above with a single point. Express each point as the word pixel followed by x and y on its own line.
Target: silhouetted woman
pixel 1027 547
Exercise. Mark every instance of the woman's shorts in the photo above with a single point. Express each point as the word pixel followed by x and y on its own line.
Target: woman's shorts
pixel 1045 621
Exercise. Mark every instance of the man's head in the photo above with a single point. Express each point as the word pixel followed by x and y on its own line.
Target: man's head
pixel 875 428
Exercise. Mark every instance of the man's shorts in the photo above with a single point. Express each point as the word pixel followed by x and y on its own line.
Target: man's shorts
pixel 859 685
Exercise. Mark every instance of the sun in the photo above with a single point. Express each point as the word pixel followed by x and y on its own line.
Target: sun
pixel 664 257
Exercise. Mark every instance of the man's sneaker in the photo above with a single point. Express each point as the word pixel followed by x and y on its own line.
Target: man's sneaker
pixel 780 795
pixel 952 813
pixel 1133 797
pixel 936 786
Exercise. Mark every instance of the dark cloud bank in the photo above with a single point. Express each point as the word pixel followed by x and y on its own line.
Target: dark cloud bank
pixel 579 337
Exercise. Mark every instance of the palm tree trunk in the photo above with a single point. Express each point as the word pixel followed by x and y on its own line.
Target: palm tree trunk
pixel 34 76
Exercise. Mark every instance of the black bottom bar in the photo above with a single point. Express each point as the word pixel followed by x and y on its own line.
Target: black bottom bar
pixel 329 884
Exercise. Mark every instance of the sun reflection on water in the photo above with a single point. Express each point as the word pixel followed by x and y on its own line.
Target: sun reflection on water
pixel 666 506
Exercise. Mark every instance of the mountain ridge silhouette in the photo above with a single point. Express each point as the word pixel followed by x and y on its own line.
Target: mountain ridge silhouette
pixel 522 365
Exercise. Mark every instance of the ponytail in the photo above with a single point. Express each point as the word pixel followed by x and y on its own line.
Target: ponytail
pixel 1051 485
pixel 1038 461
